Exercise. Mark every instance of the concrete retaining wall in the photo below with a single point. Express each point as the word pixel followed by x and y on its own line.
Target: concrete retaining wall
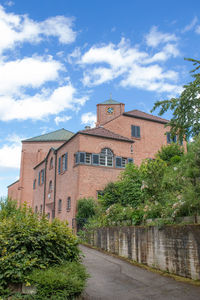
pixel 175 249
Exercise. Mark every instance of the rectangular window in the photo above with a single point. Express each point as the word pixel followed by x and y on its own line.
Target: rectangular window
pixel 42 176
pixel 118 162
pixel 66 159
pixel 124 161
pixel 130 161
pixel 68 203
pixel 102 160
pixel 82 157
pixel 88 158
pixel 76 158
pixel 39 178
pixel 135 131
pixel 95 159
pixel 171 139
pixel 63 163
pixel 59 165
pixel 34 184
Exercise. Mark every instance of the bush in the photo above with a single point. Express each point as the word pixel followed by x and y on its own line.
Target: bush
pixel 61 282
pixel 167 153
pixel 29 241
pixel 86 208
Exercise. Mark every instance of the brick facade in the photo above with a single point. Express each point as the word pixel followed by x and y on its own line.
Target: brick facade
pixel 84 163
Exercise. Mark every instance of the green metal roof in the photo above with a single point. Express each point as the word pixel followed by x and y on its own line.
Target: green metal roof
pixel 110 101
pixel 58 135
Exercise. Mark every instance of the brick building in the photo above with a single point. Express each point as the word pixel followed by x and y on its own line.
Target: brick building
pixel 60 167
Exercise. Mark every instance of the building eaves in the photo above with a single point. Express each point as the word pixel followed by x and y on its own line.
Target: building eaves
pixel 105 133
pixel 12 183
pixel 144 116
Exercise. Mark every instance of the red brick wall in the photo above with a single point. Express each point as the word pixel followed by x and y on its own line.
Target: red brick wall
pixel 102 114
pixel 152 135
pixel 32 154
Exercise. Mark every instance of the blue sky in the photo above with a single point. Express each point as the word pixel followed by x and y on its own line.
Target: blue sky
pixel 58 59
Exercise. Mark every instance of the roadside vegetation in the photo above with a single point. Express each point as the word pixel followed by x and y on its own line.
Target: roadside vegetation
pixel 35 252
pixel 161 189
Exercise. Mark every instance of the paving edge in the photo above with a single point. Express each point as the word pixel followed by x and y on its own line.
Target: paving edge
pixel 143 266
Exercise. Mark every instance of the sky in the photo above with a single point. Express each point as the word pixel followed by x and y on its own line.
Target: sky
pixel 58 59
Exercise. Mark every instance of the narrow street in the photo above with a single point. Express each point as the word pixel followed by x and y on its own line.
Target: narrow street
pixel 112 278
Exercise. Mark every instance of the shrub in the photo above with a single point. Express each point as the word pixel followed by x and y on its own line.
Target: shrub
pixel 86 208
pixel 60 282
pixel 28 241
pixel 167 153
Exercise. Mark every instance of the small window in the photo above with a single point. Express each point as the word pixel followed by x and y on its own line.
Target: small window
pixel 34 184
pixel 124 161
pixel 88 158
pixel 76 158
pixel 51 163
pixel 36 209
pixel 95 159
pixel 82 157
pixel 130 161
pixel 41 208
pixel 59 165
pixel 171 139
pixel 118 162
pixel 42 176
pixel 59 205
pixel 135 131
pixel 99 194
pixel 50 186
pixel 68 203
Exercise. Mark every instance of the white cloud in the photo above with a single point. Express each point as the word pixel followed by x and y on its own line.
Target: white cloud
pixel 16 29
pixel 10 153
pixel 28 72
pixel 155 37
pixel 59 120
pixel 40 105
pixel 191 25
pixel 134 68
pixel 9 3
pixel 89 119
pixel 197 30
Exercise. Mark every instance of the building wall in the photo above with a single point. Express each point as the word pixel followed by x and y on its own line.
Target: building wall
pixel 80 181
pixel 32 154
pixel 14 191
pixel 152 135
pixel 38 192
pixel 102 114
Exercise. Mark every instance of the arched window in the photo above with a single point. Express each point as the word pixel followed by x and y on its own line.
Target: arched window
pixel 51 163
pixel 59 205
pixel 68 203
pixel 50 186
pixel 106 157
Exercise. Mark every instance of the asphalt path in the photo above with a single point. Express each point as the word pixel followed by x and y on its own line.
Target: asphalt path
pixel 112 278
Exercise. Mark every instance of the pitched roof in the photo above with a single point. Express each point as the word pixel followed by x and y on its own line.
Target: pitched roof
pixel 105 133
pixel 142 115
pixel 110 101
pixel 58 135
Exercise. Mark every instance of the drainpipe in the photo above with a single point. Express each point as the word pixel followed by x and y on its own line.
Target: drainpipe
pixel 54 196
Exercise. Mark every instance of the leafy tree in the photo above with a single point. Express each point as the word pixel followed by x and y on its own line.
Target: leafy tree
pixel 171 154
pixel 186 108
pixel 86 208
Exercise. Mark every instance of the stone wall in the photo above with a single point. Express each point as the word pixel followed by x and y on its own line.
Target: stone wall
pixel 175 249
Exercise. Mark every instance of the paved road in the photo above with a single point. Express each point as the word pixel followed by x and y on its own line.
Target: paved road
pixel 112 278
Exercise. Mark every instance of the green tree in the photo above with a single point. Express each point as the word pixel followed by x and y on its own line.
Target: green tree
pixel 186 108
pixel 86 209
pixel 171 153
